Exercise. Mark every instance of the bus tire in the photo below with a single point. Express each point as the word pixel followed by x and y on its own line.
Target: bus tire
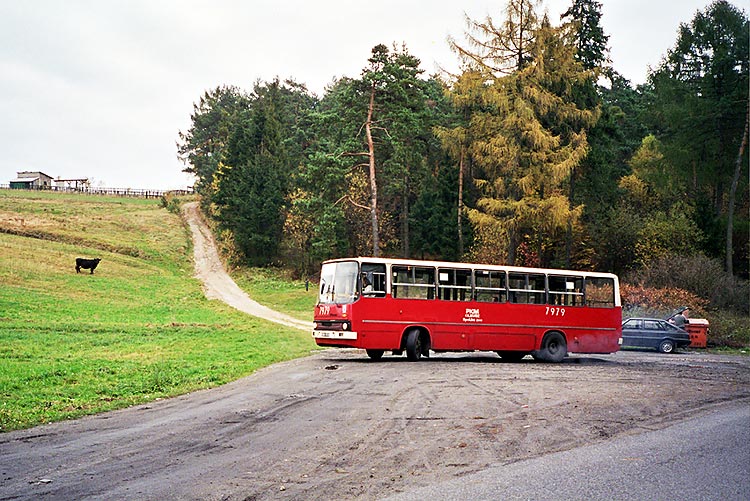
pixel 413 345
pixel 375 354
pixel 554 348
pixel 512 356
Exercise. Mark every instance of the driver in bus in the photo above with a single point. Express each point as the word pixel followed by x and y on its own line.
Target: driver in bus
pixel 366 286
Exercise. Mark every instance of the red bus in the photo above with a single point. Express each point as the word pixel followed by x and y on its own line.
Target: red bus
pixel 412 306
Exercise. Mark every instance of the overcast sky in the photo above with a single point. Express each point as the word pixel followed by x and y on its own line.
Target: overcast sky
pixel 100 88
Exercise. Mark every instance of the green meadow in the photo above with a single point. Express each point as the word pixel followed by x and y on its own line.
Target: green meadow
pixel 136 330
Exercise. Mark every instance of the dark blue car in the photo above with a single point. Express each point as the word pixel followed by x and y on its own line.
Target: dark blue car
pixel 653 333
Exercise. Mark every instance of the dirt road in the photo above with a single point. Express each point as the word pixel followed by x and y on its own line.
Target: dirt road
pixel 337 425
pixel 217 282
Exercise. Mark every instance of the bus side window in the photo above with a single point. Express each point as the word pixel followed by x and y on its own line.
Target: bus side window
pixel 565 291
pixel 454 284
pixel 490 286
pixel 516 286
pixel 413 282
pixel 373 280
pixel 527 288
pixel 600 292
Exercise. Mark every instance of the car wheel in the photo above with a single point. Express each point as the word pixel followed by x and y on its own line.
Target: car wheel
pixel 666 346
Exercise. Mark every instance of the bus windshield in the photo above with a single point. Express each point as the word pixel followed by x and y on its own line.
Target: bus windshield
pixel 338 282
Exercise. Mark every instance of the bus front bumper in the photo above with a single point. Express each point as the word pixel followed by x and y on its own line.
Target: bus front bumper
pixel 348 335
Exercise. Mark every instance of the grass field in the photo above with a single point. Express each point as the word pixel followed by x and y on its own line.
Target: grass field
pixel 138 329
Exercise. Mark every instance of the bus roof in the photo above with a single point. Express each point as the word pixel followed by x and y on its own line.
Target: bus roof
pixel 473 266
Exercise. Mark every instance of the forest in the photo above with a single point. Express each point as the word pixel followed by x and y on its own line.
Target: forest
pixel 536 153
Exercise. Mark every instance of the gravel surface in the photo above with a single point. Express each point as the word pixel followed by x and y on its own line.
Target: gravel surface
pixel 336 425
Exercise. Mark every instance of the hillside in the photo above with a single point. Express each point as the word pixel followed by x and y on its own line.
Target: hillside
pixel 137 329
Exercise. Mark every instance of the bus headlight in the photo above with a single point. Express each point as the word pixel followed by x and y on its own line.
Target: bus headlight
pixel 345 326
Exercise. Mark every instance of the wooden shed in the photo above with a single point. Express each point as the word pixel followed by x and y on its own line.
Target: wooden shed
pixel 28 180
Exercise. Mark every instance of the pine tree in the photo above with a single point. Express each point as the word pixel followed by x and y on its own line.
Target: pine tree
pixel 527 134
pixel 397 119
pixel 202 147
pixel 584 31
pixel 251 185
pixel 455 139
pixel 700 96
pixel 372 138
pixel 589 38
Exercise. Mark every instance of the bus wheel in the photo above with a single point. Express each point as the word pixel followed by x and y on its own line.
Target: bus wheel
pixel 375 354
pixel 512 356
pixel 413 345
pixel 554 348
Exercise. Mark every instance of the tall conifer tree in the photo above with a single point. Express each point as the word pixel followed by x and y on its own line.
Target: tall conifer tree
pixel 700 105
pixel 251 185
pixel 500 49
pixel 204 144
pixel 527 134
pixel 589 37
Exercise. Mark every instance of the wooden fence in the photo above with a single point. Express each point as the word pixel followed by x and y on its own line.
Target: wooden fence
pixel 118 192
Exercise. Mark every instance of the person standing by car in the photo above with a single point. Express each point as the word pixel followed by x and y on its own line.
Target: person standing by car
pixel 680 320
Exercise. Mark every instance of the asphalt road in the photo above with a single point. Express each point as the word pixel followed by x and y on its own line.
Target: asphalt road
pixel 706 458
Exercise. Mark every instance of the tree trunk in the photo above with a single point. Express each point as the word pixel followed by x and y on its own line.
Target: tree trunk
pixel 512 245
pixel 405 220
pixel 733 193
pixel 461 203
pixel 569 230
pixel 373 183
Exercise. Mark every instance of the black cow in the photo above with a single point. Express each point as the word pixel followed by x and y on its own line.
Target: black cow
pixel 86 264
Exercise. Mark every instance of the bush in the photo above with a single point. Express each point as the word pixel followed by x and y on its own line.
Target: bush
pixel 728 329
pixel 172 201
pixel 699 275
pixel 638 301
pixel 230 254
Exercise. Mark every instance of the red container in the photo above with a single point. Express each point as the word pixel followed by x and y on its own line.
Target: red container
pixel 698 330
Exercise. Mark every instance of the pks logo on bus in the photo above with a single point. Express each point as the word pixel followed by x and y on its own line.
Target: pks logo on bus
pixel 472 315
